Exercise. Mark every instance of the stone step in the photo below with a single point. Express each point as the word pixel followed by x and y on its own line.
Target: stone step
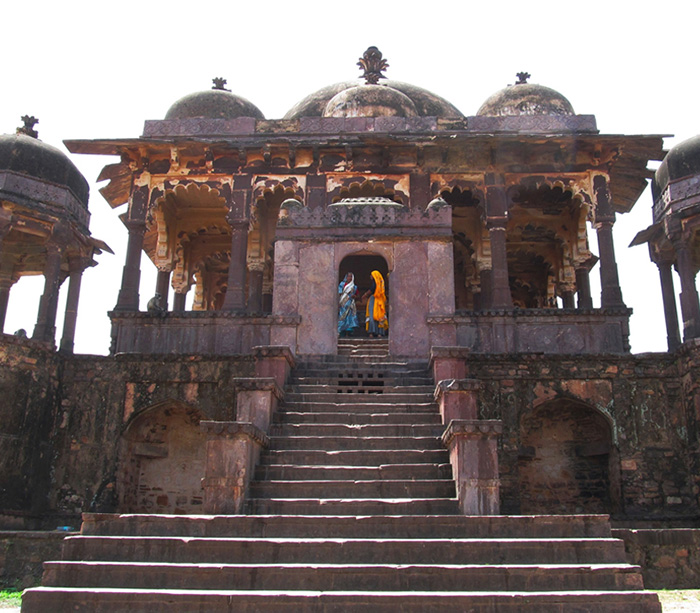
pixel 355 406
pixel 377 396
pixel 350 506
pixel 357 430
pixel 353 473
pixel 337 417
pixel 343 551
pixel 376 488
pixel 350 577
pixel 370 443
pixel 378 526
pixel 354 457
pixel 292 389
pixel 93 600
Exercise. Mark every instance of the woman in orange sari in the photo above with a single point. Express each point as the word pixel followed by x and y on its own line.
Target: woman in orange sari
pixel 376 321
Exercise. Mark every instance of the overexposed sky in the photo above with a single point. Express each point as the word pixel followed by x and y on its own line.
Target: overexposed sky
pixel 99 69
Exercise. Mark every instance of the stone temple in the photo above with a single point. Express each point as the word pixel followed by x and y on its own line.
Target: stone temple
pixel 499 450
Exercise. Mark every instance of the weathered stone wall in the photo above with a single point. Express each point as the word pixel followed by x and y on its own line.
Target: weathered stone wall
pixel 29 384
pixel 639 396
pixel 102 397
pixel 22 555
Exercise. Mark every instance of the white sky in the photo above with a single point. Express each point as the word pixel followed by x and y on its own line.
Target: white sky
pixel 98 70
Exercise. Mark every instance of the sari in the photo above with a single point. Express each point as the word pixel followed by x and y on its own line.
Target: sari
pixel 376 321
pixel 347 311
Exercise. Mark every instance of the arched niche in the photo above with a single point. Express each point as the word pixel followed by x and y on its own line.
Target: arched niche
pixel 361 265
pixel 162 456
pixel 567 461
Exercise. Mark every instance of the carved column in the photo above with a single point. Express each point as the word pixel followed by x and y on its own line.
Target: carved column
pixel 5 287
pixel 128 299
pixel 611 294
pixel 76 266
pixel 486 289
pixel 690 308
pixel 162 286
pixel 668 296
pixel 45 329
pixel 235 292
pixel 583 285
pixel 179 302
pixel 255 286
pixel 567 297
pixel 500 287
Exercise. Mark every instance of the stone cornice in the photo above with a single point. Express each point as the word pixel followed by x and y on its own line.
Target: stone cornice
pixel 471 428
pixel 172 316
pixel 258 384
pixel 231 429
pixel 456 385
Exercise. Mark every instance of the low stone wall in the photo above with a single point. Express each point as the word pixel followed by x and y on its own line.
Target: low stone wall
pixel 22 555
pixel 670 559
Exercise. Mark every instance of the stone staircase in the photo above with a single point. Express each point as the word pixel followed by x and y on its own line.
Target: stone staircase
pixel 352 509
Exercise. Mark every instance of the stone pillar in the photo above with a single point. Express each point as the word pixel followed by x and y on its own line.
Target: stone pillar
pixel 179 302
pixel 611 294
pixel 690 308
pixel 500 287
pixel 256 400
pixel 232 452
pixel 448 363
pixel 255 286
pixel 583 285
pixel 128 299
pixel 75 278
pixel 472 444
pixel 486 289
pixel 567 297
pixel 45 329
pixel 235 291
pixel 162 286
pixel 275 362
pixel 5 286
pixel 457 399
pixel 668 296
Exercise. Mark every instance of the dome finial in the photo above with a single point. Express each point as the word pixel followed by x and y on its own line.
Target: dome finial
pixel 28 128
pixel 219 83
pixel 522 78
pixel 373 65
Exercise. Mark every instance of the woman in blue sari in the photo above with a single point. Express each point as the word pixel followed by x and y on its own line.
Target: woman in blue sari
pixel 347 311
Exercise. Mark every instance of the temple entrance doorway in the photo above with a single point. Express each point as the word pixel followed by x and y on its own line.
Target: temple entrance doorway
pixel 362 266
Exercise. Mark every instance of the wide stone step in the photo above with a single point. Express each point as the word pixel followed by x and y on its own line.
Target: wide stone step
pixel 352 506
pixel 378 396
pixel 354 577
pixel 354 473
pixel 377 526
pixel 343 551
pixel 354 457
pixel 93 600
pixel 292 389
pixel 337 417
pixel 402 488
pixel 355 405
pixel 337 443
pixel 357 430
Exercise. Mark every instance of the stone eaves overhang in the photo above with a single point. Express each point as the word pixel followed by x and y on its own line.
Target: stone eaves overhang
pixel 504 144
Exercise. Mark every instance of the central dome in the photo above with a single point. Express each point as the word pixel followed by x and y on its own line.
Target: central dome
pixel 394 98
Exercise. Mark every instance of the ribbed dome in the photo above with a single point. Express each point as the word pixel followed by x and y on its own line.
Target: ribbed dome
pixel 213 104
pixel 683 160
pixel 426 103
pixel 526 99
pixel 370 101
pixel 30 156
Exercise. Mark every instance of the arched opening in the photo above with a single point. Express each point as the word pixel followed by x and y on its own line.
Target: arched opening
pixel 361 266
pixel 567 461
pixel 162 460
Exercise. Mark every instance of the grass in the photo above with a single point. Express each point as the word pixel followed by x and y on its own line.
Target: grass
pixel 10 598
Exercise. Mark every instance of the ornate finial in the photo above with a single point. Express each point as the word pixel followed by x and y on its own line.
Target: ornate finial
pixel 522 78
pixel 28 128
pixel 219 84
pixel 373 65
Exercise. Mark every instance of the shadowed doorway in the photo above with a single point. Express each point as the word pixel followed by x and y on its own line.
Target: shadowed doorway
pixel 362 266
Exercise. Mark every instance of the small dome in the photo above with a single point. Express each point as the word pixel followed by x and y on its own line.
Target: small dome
pixel 370 101
pixel 30 156
pixel 683 160
pixel 525 98
pixel 213 104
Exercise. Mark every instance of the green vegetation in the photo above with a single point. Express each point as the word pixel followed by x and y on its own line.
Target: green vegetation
pixel 10 598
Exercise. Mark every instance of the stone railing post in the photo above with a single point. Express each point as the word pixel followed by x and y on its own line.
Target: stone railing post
pixel 274 361
pixel 232 452
pixel 457 399
pixel 472 444
pixel 256 400
pixel 447 363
